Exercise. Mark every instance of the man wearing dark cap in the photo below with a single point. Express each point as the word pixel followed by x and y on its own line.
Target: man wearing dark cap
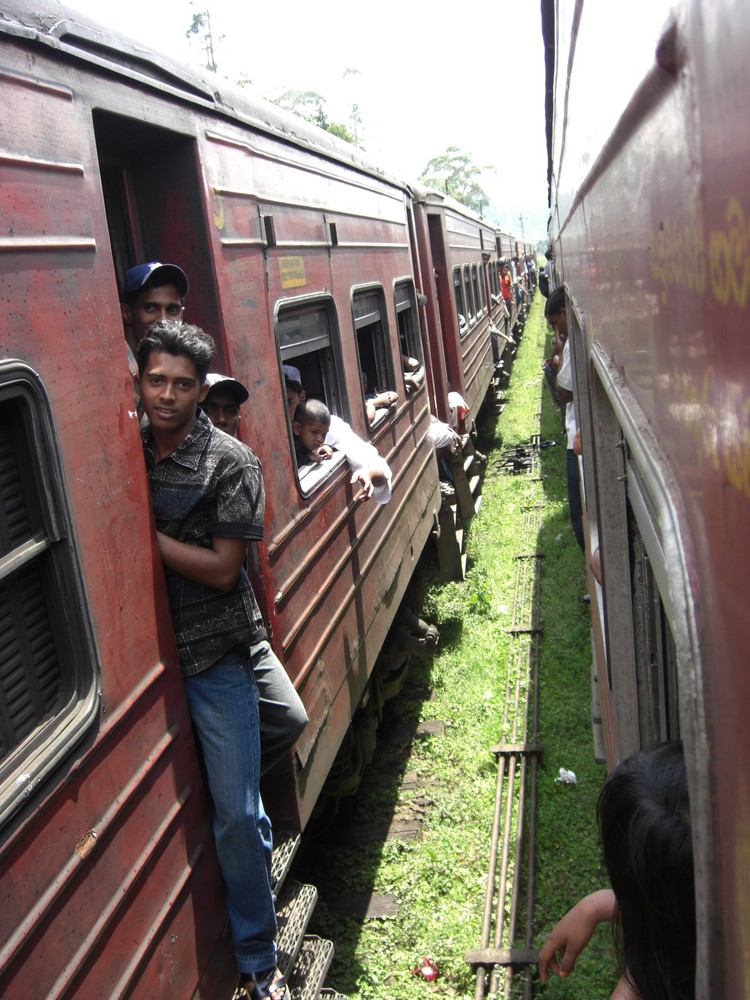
pixel 223 401
pixel 150 292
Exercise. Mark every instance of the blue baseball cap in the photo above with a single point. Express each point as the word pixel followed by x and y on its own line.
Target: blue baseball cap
pixel 233 386
pixel 167 274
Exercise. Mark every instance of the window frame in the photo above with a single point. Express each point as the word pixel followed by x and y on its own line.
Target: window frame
pixel 50 552
pixel 458 294
pixel 409 329
pixel 381 343
pixel 330 367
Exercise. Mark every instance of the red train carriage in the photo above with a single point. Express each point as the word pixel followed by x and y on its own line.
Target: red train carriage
pixel 296 253
pixel 458 261
pixel 650 202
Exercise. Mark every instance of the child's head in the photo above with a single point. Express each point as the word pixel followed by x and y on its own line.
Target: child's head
pixel 644 818
pixel 294 391
pixel 311 423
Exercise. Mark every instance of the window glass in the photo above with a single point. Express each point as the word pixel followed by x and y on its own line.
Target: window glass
pixel 410 341
pixel 458 290
pixel 475 286
pixel 469 295
pixel 374 351
pixel 49 671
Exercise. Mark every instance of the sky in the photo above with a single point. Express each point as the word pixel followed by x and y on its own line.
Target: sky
pixel 421 81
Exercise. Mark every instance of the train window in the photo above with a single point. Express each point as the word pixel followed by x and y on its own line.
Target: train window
pixel 655 656
pixel 458 290
pixel 409 340
pixel 49 672
pixel 475 286
pixel 471 305
pixel 374 352
pixel 308 340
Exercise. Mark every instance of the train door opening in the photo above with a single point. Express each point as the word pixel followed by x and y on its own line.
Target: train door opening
pixel 640 611
pixel 443 279
pixel 155 208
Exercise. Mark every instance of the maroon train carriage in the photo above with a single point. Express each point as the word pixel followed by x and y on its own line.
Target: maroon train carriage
pixel 650 209
pixel 296 253
pixel 459 274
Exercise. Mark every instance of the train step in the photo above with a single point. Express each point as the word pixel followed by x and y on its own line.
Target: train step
pixel 304 959
pixel 285 846
pixel 294 907
pixel 309 973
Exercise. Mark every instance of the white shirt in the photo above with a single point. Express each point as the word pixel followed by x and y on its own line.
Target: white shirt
pixel 360 454
pixel 565 381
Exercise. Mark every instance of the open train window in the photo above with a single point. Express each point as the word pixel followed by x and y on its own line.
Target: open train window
pixel 409 340
pixel 458 290
pixel 49 672
pixel 373 350
pixel 308 340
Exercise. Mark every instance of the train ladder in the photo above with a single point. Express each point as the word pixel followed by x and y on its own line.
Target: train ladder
pixel 505 957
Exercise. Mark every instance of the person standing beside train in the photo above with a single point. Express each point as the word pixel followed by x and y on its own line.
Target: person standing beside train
pixel 208 501
pixel 506 287
pixel 556 314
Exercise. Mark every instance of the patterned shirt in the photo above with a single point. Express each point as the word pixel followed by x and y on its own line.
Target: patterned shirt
pixel 211 485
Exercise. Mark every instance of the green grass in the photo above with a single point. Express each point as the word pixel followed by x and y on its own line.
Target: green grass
pixel 439 880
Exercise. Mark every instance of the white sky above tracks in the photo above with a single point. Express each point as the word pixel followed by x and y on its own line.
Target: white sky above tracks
pixel 424 82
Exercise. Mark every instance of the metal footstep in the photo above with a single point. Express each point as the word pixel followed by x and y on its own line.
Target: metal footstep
pixel 302 958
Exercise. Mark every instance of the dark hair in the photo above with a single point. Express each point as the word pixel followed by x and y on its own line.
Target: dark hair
pixel 293 385
pixel 556 303
pixel 168 336
pixel 644 818
pixel 309 410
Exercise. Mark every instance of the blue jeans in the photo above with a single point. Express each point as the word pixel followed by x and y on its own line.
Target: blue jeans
pixel 575 506
pixel 282 714
pixel 223 705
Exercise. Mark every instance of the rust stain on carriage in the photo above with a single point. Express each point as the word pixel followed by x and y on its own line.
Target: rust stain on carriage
pixel 86 844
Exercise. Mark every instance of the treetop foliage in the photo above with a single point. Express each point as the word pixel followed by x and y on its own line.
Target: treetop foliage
pixel 454 173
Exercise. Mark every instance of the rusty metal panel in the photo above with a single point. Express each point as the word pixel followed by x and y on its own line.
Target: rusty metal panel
pixel 107 877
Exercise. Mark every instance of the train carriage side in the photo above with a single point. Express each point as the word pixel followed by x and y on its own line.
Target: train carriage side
pixel 458 263
pixel 296 254
pixel 104 827
pixel 312 258
pixel 649 201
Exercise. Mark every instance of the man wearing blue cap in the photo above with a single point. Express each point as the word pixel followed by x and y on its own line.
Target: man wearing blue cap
pixel 150 292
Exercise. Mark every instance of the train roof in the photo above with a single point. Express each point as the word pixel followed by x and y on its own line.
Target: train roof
pixel 78 37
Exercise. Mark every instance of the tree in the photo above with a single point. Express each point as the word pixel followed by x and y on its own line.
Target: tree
pixel 308 104
pixel 201 27
pixel 454 173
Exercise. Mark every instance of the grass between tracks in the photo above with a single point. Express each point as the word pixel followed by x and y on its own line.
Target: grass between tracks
pixel 438 881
